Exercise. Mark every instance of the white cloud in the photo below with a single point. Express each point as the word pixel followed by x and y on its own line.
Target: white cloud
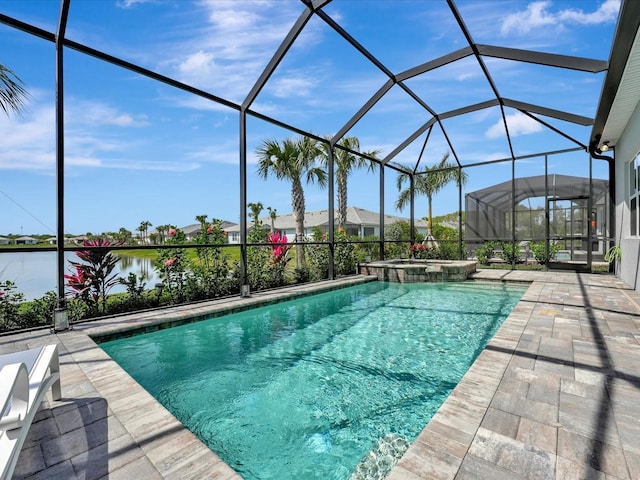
pixel 518 123
pixel 538 15
pixel 131 3
pixel 607 12
pixel 292 86
pixel 82 112
pixel 200 64
pixel 165 166
pixel 465 76
pixel 28 142
pixel 243 34
pixel 228 154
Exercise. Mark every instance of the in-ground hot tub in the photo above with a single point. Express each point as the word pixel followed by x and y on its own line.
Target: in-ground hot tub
pixel 414 270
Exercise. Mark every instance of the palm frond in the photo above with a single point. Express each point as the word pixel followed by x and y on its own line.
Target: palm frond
pixel 13 96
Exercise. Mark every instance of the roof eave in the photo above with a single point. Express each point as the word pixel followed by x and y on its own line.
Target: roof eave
pixel 625 34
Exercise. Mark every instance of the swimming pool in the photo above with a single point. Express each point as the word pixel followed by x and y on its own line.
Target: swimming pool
pixel 305 388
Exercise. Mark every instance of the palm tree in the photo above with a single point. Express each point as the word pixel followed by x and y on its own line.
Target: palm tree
pixel 293 160
pixel 202 219
pixel 345 162
pixel 123 235
pixel 272 216
pixel 429 183
pixel 12 92
pixel 162 229
pixel 256 208
pixel 144 229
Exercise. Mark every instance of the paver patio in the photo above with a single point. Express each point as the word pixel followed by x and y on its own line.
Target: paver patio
pixel 554 395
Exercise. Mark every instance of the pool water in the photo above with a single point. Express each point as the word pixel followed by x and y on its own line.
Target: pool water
pixel 305 388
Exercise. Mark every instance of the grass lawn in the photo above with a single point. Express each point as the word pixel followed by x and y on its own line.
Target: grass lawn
pixel 233 252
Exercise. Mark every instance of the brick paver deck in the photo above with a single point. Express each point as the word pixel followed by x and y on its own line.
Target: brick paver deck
pixel 555 395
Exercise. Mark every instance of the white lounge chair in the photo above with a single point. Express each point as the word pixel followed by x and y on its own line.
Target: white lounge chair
pixel 25 378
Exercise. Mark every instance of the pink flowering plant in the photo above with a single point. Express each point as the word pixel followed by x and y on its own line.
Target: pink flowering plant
pixel 280 248
pixel 279 257
pixel 171 263
pixel 209 272
pixel 91 278
pixel 419 251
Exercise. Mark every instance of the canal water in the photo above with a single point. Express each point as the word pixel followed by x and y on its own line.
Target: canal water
pixel 34 273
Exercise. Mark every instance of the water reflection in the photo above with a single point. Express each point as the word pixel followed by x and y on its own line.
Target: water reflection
pixel 34 273
pixel 142 267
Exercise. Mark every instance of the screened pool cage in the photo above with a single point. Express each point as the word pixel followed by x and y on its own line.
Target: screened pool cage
pixel 574 213
pixel 570 213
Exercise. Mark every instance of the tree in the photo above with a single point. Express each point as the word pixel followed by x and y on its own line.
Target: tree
pixel 202 219
pixel 429 183
pixel 123 235
pixel 162 229
pixel 140 229
pixel 272 216
pixel 294 160
pixel 12 93
pixel 144 229
pixel 345 162
pixel 255 208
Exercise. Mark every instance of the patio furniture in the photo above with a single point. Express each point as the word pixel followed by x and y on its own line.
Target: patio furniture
pixel 25 378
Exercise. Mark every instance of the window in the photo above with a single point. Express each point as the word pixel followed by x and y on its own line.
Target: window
pixel 634 194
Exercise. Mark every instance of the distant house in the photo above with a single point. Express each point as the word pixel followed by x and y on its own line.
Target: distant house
pixel 51 240
pixel 191 231
pixel 360 222
pixel 26 241
pixel 80 239
pixel 4 241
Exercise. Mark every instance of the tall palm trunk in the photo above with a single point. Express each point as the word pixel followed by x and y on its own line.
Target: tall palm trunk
pixel 430 215
pixel 341 178
pixel 297 198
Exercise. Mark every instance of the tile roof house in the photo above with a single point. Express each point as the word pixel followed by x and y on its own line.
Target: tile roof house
pixel 360 222
pixel 192 230
pixel 25 240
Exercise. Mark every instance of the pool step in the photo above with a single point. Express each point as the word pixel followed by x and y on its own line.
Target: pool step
pixel 377 464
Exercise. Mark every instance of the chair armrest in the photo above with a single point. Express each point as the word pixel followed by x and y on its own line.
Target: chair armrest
pixel 14 396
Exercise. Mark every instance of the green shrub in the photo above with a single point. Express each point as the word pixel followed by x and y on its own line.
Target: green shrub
pixel 485 252
pixel 9 305
pixel 510 252
pixel 301 274
pixel 39 311
pixel 366 252
pixel 539 251
pixel 344 254
pixel 317 262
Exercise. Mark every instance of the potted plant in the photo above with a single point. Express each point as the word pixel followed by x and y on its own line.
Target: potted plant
pixel 614 254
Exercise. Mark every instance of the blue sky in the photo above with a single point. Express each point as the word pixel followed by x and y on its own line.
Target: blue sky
pixel 140 150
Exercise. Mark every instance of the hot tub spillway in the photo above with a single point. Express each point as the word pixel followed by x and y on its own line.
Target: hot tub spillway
pixel 414 270
pixel 435 273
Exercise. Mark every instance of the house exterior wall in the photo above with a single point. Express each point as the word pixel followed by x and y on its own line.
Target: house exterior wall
pixel 363 231
pixel 626 149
